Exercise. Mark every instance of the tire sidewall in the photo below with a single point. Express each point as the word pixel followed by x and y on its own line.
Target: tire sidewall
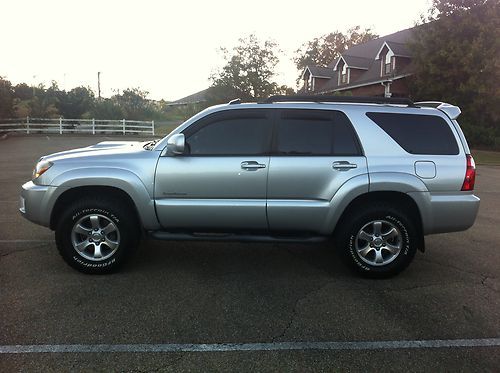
pixel 69 253
pixel 405 255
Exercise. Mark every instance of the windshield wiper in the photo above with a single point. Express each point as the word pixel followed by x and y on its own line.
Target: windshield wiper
pixel 150 144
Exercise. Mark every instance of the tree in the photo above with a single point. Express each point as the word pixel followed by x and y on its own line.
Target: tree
pixel 6 98
pixel 456 59
pixel 134 104
pixel 106 108
pixel 22 91
pixel 248 72
pixel 75 103
pixel 323 50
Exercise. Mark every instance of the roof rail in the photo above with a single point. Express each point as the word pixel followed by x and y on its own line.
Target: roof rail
pixel 352 99
pixel 235 101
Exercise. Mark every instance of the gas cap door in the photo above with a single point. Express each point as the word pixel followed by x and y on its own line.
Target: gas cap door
pixel 425 169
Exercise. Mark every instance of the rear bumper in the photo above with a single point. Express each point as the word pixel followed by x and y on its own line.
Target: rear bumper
pixel 443 213
pixel 33 203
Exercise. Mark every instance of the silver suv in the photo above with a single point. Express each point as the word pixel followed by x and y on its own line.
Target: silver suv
pixel 376 175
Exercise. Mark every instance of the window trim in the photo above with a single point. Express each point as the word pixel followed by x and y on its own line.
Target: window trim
pixel 272 115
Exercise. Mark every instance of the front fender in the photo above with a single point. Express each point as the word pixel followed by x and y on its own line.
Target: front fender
pixel 122 179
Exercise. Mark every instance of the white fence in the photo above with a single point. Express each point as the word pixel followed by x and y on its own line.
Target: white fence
pixel 63 125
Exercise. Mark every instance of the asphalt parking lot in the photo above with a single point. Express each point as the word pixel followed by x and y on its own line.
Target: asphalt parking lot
pixel 282 299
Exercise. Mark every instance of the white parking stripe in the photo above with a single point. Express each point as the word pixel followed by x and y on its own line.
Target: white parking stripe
pixel 276 346
pixel 25 241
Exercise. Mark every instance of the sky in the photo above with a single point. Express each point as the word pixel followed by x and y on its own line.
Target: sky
pixel 169 48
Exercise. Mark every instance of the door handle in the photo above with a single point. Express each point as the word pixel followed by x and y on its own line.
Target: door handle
pixel 252 165
pixel 343 166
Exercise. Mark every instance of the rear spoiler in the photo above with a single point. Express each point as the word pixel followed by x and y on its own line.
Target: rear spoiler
pixel 451 110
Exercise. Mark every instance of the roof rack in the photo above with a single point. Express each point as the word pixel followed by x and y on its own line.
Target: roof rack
pixel 352 99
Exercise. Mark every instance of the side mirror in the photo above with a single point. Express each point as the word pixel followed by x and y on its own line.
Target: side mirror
pixel 175 144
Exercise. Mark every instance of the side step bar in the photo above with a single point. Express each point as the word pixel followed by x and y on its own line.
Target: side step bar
pixel 169 236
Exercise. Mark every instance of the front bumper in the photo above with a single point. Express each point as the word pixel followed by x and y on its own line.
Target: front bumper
pixel 34 203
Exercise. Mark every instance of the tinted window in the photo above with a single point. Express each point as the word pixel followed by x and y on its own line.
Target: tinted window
pixel 315 132
pixel 418 134
pixel 231 133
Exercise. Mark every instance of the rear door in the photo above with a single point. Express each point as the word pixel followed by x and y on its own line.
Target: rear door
pixel 219 183
pixel 314 153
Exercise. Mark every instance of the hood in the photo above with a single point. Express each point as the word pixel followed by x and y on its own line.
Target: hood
pixel 99 149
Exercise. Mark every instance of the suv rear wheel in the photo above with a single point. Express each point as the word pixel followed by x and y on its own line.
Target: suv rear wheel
pixel 96 236
pixel 380 241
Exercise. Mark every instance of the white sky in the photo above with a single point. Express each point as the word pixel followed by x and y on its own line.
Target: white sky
pixel 168 48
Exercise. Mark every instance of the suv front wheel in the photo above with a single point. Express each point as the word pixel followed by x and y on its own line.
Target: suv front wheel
pixel 379 241
pixel 95 235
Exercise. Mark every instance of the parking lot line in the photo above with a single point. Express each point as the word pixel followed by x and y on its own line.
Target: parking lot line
pixel 274 346
pixel 25 241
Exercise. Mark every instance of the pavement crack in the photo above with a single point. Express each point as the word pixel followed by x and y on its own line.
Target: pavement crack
pixel 294 310
pixel 18 251
pixel 483 282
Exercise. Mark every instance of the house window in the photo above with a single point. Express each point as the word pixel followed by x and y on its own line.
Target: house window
pixel 344 78
pixel 387 69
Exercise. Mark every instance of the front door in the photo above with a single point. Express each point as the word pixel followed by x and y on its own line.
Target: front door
pixel 220 182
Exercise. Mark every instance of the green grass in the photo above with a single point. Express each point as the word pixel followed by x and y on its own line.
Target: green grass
pixel 486 157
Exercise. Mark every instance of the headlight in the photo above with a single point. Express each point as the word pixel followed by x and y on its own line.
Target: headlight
pixel 40 168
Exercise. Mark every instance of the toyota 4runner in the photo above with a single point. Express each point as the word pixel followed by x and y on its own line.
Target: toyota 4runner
pixel 376 175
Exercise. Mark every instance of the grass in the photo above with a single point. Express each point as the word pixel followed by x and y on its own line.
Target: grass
pixel 486 157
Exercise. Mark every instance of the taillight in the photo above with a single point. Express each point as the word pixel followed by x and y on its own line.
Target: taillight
pixel 470 174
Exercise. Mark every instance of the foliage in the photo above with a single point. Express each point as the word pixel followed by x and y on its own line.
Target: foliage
pixel 134 104
pixel 456 60
pixel 106 108
pixel 23 91
pixel 80 102
pixel 248 73
pixel 6 98
pixel 75 103
pixel 323 50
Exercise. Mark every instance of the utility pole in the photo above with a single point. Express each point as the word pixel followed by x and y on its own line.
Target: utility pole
pixel 99 85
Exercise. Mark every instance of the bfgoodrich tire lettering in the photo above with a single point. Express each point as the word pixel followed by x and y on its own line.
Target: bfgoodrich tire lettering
pixel 96 235
pixel 379 241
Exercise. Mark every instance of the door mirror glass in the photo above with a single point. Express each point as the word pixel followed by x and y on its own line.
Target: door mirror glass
pixel 175 144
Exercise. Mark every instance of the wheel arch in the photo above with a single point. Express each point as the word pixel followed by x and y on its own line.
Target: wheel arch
pixel 79 192
pixel 399 200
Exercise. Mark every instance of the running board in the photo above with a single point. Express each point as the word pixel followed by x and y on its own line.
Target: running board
pixel 169 236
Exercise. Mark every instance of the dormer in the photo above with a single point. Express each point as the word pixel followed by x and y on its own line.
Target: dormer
pixel 391 56
pixel 343 71
pixel 315 77
pixel 350 68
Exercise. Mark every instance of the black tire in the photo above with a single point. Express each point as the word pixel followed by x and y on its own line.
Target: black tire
pixel 125 232
pixel 351 244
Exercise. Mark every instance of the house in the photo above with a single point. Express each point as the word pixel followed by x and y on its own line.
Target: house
pixel 379 67
pixel 193 99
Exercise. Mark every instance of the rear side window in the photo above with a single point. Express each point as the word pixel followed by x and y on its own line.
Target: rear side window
pixel 315 132
pixel 418 134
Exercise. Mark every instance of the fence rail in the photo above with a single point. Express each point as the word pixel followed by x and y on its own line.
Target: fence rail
pixel 63 125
